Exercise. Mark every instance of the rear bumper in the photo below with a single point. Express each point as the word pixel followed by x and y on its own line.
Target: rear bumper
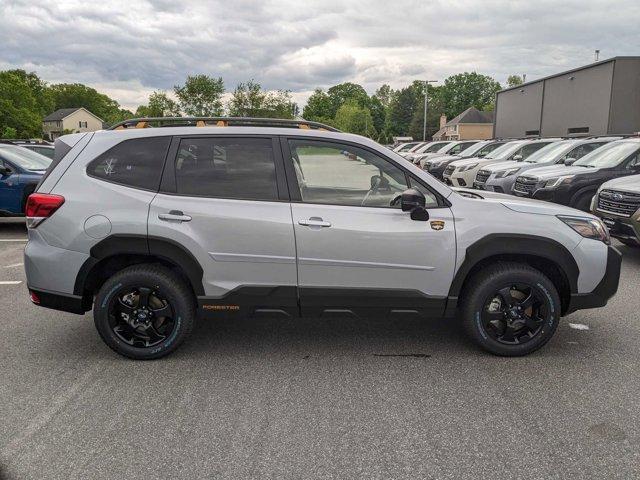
pixel 59 301
pixel 606 289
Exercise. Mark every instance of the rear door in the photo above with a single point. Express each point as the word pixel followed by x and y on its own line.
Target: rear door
pixel 356 251
pixel 224 199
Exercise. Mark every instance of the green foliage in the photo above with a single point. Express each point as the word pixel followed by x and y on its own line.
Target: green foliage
pixel 19 108
pixel 318 107
pixel 200 96
pixel 249 100
pixel 74 95
pixel 514 80
pixel 160 105
pixel 353 118
pixel 347 92
pixel 384 94
pixel 466 90
pixel 402 109
pixel 9 132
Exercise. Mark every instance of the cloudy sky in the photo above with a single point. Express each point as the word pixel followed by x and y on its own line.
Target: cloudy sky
pixel 129 48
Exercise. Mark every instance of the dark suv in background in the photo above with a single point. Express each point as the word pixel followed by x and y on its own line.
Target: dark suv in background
pixel 575 185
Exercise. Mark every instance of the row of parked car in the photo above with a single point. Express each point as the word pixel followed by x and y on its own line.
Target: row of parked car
pixel 597 174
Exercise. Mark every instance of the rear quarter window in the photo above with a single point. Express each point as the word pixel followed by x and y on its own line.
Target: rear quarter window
pixel 135 163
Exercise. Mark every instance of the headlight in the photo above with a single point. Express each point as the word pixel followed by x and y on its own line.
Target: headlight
pixel 507 173
pixel 555 182
pixel 588 228
pixel 468 167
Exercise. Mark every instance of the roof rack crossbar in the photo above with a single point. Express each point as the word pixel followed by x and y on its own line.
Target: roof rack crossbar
pixel 148 122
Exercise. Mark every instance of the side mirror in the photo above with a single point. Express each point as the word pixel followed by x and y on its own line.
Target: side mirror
pixel 517 158
pixel 5 170
pixel 413 201
pixel 569 161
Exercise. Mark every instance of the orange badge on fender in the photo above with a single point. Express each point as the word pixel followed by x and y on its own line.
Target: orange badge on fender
pixel 437 224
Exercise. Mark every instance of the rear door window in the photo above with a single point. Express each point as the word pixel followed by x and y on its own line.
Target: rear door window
pixel 136 163
pixel 240 168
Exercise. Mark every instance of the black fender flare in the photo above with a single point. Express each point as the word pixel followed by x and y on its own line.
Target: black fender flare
pixel 168 250
pixel 497 244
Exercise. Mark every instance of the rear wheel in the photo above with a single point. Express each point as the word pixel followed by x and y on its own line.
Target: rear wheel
pixel 511 309
pixel 144 312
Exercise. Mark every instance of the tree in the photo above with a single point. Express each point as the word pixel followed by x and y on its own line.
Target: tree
pixel 385 95
pixel 434 110
pixel 74 95
pixel 9 132
pixel 19 108
pixel 200 96
pixel 401 111
pixel 249 100
pixel 160 105
pixel 353 118
pixel 378 113
pixel 466 90
pixel 514 80
pixel 344 92
pixel 318 107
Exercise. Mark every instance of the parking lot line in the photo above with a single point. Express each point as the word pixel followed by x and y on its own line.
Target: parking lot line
pixel 13 240
pixel 14 265
pixel 11 282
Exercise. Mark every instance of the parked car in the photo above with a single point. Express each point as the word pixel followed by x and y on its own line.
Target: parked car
pixel 405 147
pixel 151 227
pixel 575 185
pixel 20 171
pixel 502 176
pixel 462 173
pixel 436 165
pixel 39 146
pixel 452 148
pixel 617 203
pixel 429 147
pixel 413 149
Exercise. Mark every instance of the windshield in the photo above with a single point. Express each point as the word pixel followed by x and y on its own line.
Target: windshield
pixel 609 155
pixel 505 150
pixel 471 150
pixel 406 147
pixel 433 147
pixel 24 158
pixel 550 152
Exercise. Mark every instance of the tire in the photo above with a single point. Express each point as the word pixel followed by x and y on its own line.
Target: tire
pixel 583 202
pixel 479 299
pixel 165 311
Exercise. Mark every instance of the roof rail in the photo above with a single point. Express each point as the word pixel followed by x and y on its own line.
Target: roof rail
pixel 148 122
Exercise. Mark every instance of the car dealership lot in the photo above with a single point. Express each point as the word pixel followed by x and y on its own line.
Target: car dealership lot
pixel 323 398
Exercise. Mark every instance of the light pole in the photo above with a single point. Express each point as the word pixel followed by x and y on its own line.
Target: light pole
pixel 426 88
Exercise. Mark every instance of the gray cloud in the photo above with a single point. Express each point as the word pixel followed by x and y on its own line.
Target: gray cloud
pixel 129 48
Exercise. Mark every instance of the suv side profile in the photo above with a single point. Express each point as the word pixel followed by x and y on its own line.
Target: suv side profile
pixel 153 227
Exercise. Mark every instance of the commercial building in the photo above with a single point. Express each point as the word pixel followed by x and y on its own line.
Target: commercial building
pixel 597 99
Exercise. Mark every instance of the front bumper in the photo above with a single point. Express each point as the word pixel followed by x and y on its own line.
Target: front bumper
pixel 606 289
pixel 620 227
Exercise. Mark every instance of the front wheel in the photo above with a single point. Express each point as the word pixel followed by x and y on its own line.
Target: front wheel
pixel 144 312
pixel 510 309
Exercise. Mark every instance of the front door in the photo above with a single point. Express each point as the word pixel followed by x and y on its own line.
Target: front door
pixel 10 198
pixel 356 251
pixel 222 200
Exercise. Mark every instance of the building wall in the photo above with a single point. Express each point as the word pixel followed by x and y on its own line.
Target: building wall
pixel 72 122
pixel 625 100
pixel 578 99
pixel 518 111
pixel 475 131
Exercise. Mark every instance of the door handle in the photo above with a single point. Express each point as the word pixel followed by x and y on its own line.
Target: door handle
pixel 314 222
pixel 174 216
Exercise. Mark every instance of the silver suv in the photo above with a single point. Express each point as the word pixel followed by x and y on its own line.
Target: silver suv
pixel 153 227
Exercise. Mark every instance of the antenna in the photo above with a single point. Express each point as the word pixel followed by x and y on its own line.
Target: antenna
pixel 596 55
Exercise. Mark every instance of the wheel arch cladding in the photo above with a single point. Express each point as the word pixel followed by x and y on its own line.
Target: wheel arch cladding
pixel 119 251
pixel 547 255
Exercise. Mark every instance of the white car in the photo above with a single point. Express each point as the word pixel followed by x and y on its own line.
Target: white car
pixel 462 173
pixel 409 151
pixel 429 147
pixel 454 148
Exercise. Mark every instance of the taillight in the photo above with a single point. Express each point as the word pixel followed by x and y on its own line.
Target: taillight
pixel 41 206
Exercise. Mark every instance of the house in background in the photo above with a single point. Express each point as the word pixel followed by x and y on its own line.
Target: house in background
pixel 472 124
pixel 70 120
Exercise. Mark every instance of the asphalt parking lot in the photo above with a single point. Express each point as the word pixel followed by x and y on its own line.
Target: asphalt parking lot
pixel 336 398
